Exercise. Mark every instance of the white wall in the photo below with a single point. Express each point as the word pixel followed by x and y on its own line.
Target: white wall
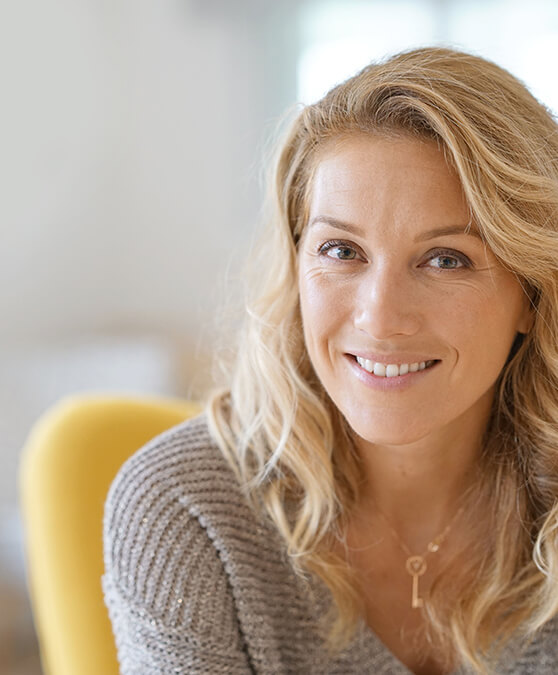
pixel 130 135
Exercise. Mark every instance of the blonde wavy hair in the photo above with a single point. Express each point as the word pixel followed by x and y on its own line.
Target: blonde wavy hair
pixel 290 446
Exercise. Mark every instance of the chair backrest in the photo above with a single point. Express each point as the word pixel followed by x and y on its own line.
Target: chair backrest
pixel 69 461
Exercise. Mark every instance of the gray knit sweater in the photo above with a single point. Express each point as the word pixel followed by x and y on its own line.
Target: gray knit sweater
pixel 195 582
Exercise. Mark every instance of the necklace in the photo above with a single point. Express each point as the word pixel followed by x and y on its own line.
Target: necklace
pixel 415 565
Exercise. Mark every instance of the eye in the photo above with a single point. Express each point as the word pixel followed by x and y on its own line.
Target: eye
pixel 448 260
pixel 338 250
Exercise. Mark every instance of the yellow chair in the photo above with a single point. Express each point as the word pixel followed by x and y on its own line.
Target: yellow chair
pixel 70 458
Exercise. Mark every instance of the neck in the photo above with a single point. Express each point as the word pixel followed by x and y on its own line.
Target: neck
pixel 419 487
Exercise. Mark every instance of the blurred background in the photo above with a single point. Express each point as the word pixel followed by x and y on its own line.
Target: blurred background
pixel 131 143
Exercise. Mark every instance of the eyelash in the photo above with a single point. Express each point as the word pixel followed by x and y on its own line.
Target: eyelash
pixel 465 261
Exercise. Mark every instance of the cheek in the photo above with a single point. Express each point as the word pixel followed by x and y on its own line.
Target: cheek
pixel 323 309
pixel 483 332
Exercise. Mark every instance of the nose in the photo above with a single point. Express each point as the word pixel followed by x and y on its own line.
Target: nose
pixel 388 302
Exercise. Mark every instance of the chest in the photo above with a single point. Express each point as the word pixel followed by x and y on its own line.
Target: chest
pixel 392 597
pixel 401 628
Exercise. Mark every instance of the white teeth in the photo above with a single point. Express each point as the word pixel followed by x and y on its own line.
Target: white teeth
pixel 392 369
pixel 379 369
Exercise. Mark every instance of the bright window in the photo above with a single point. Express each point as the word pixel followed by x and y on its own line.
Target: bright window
pixel 339 38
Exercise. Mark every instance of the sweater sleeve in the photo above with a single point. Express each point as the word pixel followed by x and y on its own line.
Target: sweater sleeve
pixel 168 594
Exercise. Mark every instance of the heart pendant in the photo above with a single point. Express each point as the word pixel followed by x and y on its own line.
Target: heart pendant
pixel 416 565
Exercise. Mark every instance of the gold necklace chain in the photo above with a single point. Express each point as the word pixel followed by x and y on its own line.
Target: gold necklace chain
pixel 415 565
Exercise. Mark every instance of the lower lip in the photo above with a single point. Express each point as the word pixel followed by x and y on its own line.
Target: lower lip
pixel 397 383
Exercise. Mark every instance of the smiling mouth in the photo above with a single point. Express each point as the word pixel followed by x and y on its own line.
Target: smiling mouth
pixel 393 369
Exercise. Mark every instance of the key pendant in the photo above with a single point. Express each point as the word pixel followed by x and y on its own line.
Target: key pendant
pixel 416 567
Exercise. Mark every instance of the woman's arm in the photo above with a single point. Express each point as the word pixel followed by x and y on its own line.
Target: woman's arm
pixel 168 595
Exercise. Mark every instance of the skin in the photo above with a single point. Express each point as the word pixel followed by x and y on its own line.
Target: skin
pixel 388 271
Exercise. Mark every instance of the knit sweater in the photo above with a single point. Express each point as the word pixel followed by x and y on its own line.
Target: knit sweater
pixel 196 582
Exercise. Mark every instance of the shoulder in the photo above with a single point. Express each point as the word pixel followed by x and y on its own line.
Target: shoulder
pixel 182 465
pixel 179 481
pixel 539 656
pixel 187 447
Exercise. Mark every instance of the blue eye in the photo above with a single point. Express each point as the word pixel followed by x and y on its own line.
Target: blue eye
pixel 338 250
pixel 448 260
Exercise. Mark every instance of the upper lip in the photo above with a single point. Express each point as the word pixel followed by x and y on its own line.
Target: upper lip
pixel 396 359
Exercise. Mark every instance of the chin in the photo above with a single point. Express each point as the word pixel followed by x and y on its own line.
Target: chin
pixel 386 431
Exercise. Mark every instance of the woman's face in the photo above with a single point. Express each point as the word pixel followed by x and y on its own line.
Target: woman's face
pixel 408 319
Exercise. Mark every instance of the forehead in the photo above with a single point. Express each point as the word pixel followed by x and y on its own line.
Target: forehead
pixel 390 180
pixel 364 160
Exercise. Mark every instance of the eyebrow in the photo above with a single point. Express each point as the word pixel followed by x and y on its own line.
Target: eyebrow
pixel 339 224
pixel 467 230
pixel 445 231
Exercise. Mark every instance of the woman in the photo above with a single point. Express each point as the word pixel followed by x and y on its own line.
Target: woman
pixel 375 492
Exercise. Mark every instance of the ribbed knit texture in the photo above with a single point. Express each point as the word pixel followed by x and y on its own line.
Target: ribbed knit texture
pixel 196 582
